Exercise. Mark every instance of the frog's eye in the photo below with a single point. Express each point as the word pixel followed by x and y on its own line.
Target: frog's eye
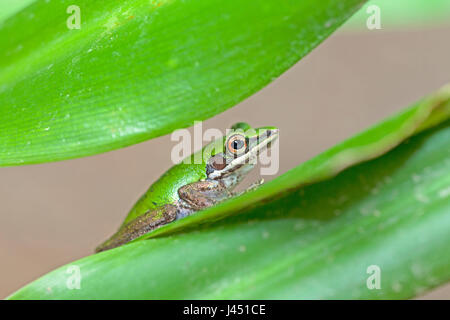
pixel 217 162
pixel 236 144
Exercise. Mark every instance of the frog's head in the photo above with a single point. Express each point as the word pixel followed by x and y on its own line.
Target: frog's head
pixel 235 153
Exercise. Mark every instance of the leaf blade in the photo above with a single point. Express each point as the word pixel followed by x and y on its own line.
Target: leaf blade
pixel 314 241
pixel 137 70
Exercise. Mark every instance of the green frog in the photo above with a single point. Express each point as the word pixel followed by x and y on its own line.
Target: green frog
pixel 200 181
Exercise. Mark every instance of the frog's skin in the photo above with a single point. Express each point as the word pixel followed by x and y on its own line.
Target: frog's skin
pixel 208 178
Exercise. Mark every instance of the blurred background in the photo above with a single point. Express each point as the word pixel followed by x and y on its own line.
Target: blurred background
pixel 51 214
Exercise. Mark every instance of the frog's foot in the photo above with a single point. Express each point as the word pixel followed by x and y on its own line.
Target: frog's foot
pixel 253 186
pixel 184 209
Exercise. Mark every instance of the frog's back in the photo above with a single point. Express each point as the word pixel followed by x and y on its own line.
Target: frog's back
pixel 165 189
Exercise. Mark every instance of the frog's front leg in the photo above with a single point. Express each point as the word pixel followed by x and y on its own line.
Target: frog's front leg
pixel 203 194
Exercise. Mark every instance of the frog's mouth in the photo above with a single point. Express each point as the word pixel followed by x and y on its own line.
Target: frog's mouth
pixel 248 159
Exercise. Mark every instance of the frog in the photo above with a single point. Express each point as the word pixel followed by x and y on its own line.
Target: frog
pixel 200 181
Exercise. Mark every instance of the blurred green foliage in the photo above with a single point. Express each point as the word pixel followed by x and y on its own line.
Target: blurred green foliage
pixel 404 14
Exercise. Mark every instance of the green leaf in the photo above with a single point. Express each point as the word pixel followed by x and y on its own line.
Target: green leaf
pixel 140 69
pixel 10 7
pixel 379 199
